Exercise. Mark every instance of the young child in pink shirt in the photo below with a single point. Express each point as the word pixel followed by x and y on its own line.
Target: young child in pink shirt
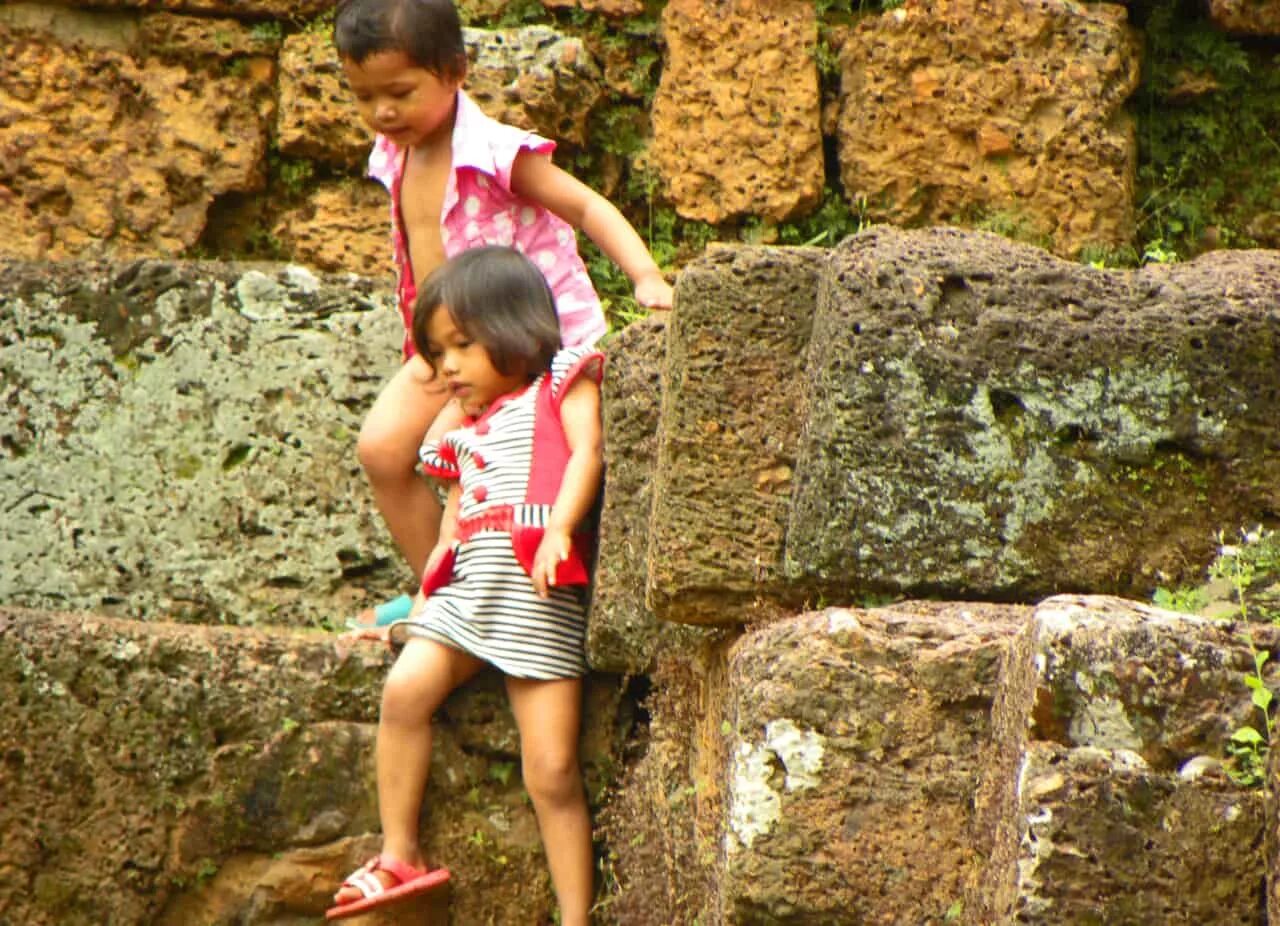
pixel 459 180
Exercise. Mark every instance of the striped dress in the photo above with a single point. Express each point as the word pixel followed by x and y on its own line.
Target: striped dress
pixel 480 599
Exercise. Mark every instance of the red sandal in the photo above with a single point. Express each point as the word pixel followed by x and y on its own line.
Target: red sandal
pixel 410 882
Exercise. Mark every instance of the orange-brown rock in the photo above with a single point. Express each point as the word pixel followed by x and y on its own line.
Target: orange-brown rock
pixel 736 117
pixel 255 9
pixel 536 78
pixel 1005 112
pixel 1252 17
pixel 341 226
pixel 607 7
pixel 105 148
pixel 318 117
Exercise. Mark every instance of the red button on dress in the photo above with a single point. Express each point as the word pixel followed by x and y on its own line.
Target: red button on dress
pixel 478 461
pixel 482 428
pixel 479 493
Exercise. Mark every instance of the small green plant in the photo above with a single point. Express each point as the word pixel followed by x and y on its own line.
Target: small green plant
pixel 520 13
pixel 205 870
pixel 1188 600
pixel 1104 256
pixel 293 175
pixel 1009 223
pixel 1251 567
pixel 1156 252
pixel 1239 565
pixel 1208 116
pixel 267 32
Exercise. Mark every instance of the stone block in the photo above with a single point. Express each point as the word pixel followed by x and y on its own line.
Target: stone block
pixel 986 420
pixel 1113 799
pixel 663 824
pixel 622 633
pixel 857 740
pixel 341 226
pixel 108 151
pixel 736 123
pixel 317 117
pixel 996 111
pixel 1246 17
pixel 292 10
pixel 180 441
pixel 732 404
pixel 1108 839
pixel 214 774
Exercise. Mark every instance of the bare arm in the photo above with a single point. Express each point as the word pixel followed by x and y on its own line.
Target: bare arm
pixel 535 177
pixel 448 522
pixel 580 415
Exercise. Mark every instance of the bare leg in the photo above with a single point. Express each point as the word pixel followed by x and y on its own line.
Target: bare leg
pixel 388 448
pixel 549 715
pixel 422 677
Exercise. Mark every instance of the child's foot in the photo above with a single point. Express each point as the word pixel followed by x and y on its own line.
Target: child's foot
pixel 382 881
pixel 397 609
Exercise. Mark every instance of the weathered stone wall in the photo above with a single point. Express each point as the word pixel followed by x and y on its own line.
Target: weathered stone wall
pixel 944 762
pixel 947 413
pixel 172 129
pixel 177 443
pixel 953 112
pixel 178 774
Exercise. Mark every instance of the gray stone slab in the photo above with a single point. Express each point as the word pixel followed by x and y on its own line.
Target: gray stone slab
pixel 986 420
pixel 179 440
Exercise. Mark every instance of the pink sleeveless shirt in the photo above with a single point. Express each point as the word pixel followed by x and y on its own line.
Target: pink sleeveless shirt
pixel 479 208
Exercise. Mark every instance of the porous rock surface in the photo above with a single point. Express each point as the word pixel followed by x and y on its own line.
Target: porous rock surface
pixel 857 740
pixel 736 128
pixel 623 635
pixel 934 762
pixel 1116 717
pixel 225 775
pixel 1003 111
pixel 179 440
pixel 132 133
pixel 732 397
pixel 1247 17
pixel 945 412
pixel 984 418
pixel 116 136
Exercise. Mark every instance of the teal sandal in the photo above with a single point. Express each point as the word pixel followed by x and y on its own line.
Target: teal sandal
pixel 397 609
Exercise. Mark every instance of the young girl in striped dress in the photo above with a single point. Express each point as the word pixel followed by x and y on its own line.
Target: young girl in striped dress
pixel 505 583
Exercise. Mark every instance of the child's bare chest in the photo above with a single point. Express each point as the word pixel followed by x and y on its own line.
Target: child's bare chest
pixel 422 194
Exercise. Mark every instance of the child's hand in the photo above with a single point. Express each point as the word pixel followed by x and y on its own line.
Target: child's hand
pixel 346 642
pixel 654 292
pixel 552 551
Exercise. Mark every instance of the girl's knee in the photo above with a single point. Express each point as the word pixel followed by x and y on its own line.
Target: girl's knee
pixel 553 777
pixel 406 699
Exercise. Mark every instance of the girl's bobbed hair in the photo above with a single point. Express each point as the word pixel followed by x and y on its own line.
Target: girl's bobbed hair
pixel 428 32
pixel 499 299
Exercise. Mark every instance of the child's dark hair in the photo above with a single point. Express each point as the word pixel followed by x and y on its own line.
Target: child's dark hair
pixel 428 32
pixel 498 298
